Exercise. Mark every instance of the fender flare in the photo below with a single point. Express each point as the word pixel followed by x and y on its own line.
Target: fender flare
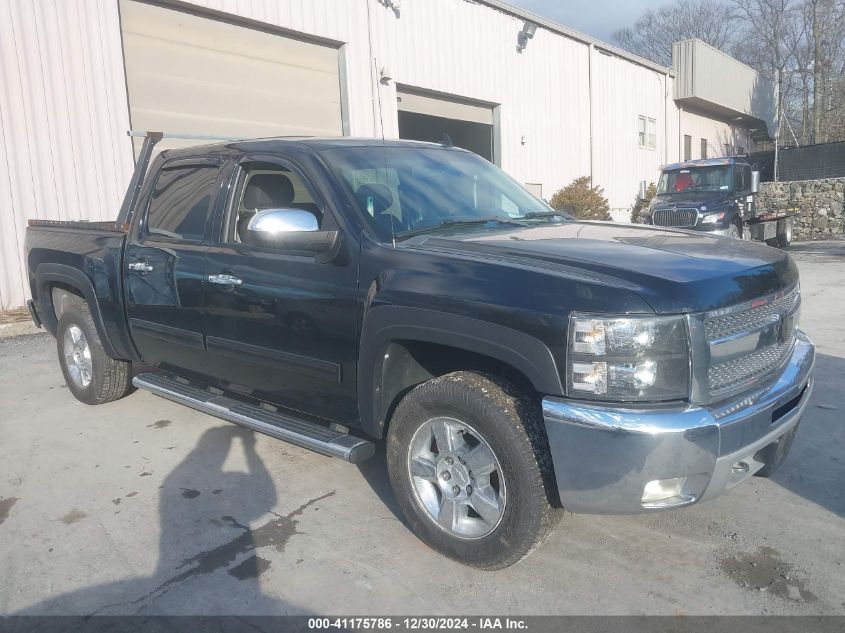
pixel 46 274
pixel 386 324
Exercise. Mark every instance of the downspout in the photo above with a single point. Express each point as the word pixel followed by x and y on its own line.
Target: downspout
pixel 666 118
pixel 590 49
pixel 374 89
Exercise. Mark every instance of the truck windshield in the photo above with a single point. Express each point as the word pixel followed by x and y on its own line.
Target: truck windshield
pixel 408 190
pixel 718 178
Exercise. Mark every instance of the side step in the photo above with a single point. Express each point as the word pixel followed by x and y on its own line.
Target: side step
pixel 283 427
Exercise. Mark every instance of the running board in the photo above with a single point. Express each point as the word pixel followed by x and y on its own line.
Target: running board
pixel 283 427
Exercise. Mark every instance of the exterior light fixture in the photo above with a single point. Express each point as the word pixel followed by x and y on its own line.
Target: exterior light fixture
pixel 527 32
pixel 395 5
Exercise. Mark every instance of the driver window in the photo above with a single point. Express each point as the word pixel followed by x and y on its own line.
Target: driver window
pixel 264 188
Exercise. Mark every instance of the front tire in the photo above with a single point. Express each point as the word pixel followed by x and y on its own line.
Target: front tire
pixel 91 375
pixel 469 462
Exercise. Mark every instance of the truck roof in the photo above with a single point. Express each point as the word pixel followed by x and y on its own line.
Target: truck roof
pixel 316 143
pixel 705 162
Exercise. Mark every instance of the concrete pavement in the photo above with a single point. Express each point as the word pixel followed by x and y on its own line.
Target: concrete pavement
pixel 144 506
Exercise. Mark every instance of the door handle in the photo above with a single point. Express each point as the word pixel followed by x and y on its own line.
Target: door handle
pixel 140 267
pixel 225 280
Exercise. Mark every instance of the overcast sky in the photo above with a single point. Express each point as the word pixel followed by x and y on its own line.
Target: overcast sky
pixel 599 18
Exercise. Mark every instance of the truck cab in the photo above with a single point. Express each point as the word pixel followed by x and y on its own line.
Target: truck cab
pixel 716 196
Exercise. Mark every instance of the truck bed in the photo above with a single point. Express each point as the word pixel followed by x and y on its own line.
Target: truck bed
pixel 111 226
pixel 86 256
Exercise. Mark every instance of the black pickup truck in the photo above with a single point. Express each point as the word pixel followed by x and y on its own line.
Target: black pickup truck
pixel 336 292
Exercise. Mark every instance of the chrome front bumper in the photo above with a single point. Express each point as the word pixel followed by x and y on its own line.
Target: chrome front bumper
pixel 604 456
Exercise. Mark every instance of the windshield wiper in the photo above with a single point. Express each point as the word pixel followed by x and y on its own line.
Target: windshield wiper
pixel 459 222
pixel 533 215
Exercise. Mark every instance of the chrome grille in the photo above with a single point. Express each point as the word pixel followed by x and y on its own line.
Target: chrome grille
pixel 675 217
pixel 750 319
pixel 764 323
pixel 748 367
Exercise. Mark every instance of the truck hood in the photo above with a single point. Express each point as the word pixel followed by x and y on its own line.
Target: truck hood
pixel 674 271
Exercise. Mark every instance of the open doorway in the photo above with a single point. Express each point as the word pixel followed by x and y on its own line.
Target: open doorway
pixel 470 125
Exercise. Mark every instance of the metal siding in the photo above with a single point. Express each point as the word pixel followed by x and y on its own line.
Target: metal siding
pixel 543 102
pixel 710 76
pixel 625 92
pixel 63 119
pixel 64 113
pixel 719 134
pixel 195 75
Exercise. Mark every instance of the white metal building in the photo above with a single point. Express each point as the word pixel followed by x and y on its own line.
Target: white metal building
pixel 76 75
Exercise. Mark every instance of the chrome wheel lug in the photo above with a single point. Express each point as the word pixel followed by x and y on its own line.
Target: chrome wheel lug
pixel 469 490
pixel 450 461
pixel 456 490
pixel 446 475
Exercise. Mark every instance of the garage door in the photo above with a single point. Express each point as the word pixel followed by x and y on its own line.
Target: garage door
pixel 424 117
pixel 197 75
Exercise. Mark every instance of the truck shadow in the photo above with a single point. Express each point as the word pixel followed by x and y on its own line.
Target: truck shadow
pixel 374 471
pixel 815 468
pixel 818 252
pixel 204 516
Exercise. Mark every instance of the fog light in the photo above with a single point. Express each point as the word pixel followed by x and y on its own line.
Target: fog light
pixel 662 489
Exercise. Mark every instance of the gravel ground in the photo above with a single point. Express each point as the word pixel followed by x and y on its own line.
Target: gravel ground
pixel 143 506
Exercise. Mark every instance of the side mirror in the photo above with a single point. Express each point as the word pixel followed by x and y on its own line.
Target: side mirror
pixel 294 231
pixel 755 181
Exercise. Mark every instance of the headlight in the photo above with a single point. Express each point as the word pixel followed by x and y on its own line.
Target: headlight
pixel 628 358
pixel 712 218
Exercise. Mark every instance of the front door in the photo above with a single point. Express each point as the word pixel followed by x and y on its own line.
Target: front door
pixel 165 266
pixel 282 326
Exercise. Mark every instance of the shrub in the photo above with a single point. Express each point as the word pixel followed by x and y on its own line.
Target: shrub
pixel 639 205
pixel 581 200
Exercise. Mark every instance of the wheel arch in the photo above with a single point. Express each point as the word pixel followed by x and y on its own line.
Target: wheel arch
pixel 403 347
pixel 68 279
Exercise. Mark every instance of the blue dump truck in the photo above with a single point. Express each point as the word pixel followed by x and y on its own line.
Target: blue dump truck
pixel 716 195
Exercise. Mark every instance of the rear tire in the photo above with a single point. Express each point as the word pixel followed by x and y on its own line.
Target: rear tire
pixel 482 490
pixel 91 375
pixel 784 238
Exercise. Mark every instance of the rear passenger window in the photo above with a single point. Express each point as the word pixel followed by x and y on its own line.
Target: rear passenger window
pixel 181 202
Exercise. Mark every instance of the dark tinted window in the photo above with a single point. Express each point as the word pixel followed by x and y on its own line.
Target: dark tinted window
pixel 181 202
pixel 740 179
pixel 743 178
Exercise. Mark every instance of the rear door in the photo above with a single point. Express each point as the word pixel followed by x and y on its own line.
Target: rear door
pixel 286 330
pixel 164 265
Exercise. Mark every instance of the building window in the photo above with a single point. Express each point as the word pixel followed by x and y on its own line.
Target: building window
pixel 647 133
pixel 704 148
pixel 536 188
pixel 687 147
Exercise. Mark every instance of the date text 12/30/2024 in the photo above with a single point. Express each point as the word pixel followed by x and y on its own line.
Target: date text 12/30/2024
pixel 417 623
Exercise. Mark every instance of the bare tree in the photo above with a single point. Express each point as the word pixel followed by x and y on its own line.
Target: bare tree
pixel 654 32
pixel 798 44
pixel 828 43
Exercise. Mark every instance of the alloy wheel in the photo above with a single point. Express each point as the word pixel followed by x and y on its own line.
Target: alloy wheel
pixel 457 478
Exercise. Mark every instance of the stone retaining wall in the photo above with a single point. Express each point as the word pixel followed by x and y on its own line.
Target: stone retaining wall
pixel 820 205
